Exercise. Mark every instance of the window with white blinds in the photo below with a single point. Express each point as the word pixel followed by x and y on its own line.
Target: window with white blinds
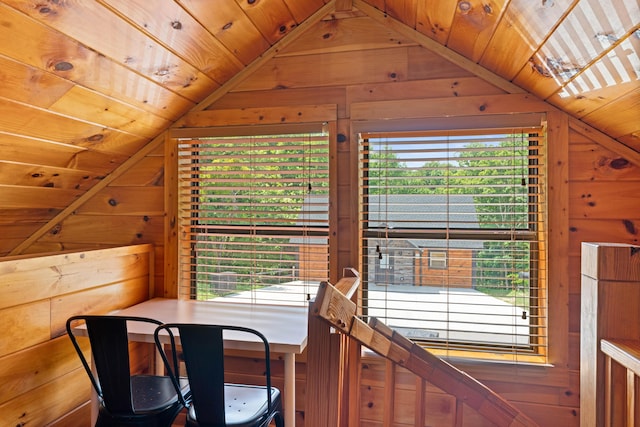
pixel 453 239
pixel 253 214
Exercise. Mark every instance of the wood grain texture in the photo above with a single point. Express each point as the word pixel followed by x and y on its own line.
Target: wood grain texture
pixel 43 381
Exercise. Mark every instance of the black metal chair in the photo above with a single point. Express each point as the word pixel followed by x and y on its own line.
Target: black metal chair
pixel 124 399
pixel 214 403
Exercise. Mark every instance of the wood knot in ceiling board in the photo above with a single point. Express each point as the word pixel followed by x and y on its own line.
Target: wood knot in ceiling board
pixel 227 26
pixel 176 25
pixel 44 9
pixel 56 229
pixel 60 66
pixel 95 138
pixel 464 7
pixel 620 163
pixel 630 226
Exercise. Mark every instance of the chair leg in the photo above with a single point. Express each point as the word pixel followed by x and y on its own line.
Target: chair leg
pixel 279 420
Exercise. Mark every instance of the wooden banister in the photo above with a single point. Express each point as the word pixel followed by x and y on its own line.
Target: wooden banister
pixel 610 294
pixel 625 353
pixel 341 313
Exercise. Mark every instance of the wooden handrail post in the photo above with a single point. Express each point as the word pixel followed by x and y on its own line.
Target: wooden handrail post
pixel 609 310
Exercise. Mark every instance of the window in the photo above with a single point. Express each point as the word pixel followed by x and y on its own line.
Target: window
pixel 438 259
pixel 459 218
pixel 253 211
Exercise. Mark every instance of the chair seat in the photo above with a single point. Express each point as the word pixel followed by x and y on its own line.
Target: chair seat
pixel 150 392
pixel 245 406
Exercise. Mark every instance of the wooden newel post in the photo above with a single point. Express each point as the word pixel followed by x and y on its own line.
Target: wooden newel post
pixel 333 360
pixel 610 308
pixel 323 376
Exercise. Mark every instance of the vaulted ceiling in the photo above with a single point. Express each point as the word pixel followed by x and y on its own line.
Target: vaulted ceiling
pixel 87 84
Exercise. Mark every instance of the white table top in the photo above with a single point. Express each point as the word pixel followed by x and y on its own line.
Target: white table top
pixel 285 327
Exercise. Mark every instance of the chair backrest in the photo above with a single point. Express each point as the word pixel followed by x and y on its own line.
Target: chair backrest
pixel 110 350
pixel 203 353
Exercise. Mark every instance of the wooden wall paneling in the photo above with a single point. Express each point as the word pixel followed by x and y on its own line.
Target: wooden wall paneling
pixel 54 222
pixel 266 115
pixel 148 172
pixel 420 89
pixel 14 196
pixel 343 35
pixel 45 152
pixel 48 402
pixel 443 107
pixel 60 277
pixel 42 176
pixel 618 230
pixel 42 378
pixel 113 230
pixel 78 417
pixel 334 69
pixel 596 163
pixel 595 135
pixel 133 201
pixel 605 200
pixel 425 65
pixel 13 321
pixel 37 365
pixel 98 300
pixel 284 97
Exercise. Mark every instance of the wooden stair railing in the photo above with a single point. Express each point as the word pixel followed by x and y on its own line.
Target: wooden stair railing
pixel 609 298
pixel 622 367
pixel 336 309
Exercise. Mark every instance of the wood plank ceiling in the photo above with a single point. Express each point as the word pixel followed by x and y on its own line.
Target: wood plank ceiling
pixel 87 84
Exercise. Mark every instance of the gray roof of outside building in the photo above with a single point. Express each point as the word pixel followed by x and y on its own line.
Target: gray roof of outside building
pixel 411 211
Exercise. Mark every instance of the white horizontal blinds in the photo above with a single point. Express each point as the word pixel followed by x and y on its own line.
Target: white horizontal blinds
pixel 254 217
pixel 453 238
